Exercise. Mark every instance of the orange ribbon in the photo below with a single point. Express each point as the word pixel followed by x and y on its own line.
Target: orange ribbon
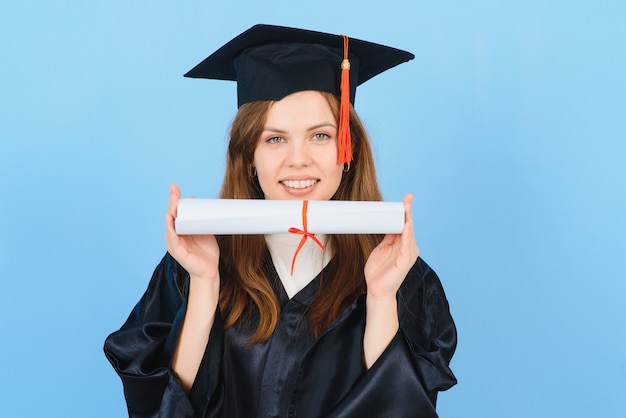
pixel 305 234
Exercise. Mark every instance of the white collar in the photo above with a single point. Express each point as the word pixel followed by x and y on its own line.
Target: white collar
pixel 310 261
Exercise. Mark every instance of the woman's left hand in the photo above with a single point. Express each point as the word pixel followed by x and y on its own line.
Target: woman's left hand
pixel 391 260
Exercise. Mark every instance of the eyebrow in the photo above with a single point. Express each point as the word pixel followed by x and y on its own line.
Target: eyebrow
pixel 312 128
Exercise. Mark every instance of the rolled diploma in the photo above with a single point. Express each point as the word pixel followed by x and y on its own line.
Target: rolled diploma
pixel 258 216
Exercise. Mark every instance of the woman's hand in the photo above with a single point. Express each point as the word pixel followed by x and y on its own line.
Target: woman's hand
pixel 385 270
pixel 198 254
pixel 391 260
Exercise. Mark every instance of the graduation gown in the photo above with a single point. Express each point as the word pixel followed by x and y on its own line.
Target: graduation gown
pixel 293 374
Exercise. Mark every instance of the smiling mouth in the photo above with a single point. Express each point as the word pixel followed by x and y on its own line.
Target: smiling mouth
pixel 298 184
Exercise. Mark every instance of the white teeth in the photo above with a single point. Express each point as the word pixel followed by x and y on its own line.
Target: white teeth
pixel 299 184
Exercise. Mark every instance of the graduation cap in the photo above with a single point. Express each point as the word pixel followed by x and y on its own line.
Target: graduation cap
pixel 270 62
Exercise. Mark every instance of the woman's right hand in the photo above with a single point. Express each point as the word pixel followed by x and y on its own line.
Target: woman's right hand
pixel 198 254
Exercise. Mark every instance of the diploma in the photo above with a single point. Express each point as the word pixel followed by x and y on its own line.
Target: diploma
pixel 259 216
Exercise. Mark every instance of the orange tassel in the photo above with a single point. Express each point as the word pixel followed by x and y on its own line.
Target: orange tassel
pixel 344 141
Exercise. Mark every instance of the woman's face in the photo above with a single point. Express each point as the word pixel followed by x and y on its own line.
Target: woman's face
pixel 296 155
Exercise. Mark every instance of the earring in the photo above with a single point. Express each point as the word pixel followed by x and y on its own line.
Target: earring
pixel 251 170
pixel 346 167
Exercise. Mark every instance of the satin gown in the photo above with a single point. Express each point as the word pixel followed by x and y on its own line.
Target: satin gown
pixel 293 374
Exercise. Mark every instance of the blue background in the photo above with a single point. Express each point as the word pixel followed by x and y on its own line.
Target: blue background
pixel 509 127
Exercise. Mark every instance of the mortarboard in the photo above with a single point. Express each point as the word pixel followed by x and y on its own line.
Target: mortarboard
pixel 270 62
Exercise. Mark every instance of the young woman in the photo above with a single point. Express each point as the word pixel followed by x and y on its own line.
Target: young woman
pixel 226 329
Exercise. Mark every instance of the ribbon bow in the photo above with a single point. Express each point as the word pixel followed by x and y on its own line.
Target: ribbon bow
pixel 305 234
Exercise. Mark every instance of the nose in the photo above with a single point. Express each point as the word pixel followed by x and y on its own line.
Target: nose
pixel 298 154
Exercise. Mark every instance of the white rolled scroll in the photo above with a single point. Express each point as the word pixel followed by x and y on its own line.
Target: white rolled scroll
pixel 246 216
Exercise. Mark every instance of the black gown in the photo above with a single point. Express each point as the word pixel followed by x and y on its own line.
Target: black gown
pixel 292 374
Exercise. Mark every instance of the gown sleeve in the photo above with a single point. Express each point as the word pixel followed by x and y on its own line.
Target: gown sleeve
pixel 141 350
pixel 427 330
pixel 406 378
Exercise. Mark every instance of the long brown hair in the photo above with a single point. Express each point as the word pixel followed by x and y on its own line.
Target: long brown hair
pixel 245 286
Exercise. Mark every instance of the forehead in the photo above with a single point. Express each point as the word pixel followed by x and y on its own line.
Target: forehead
pixel 301 107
